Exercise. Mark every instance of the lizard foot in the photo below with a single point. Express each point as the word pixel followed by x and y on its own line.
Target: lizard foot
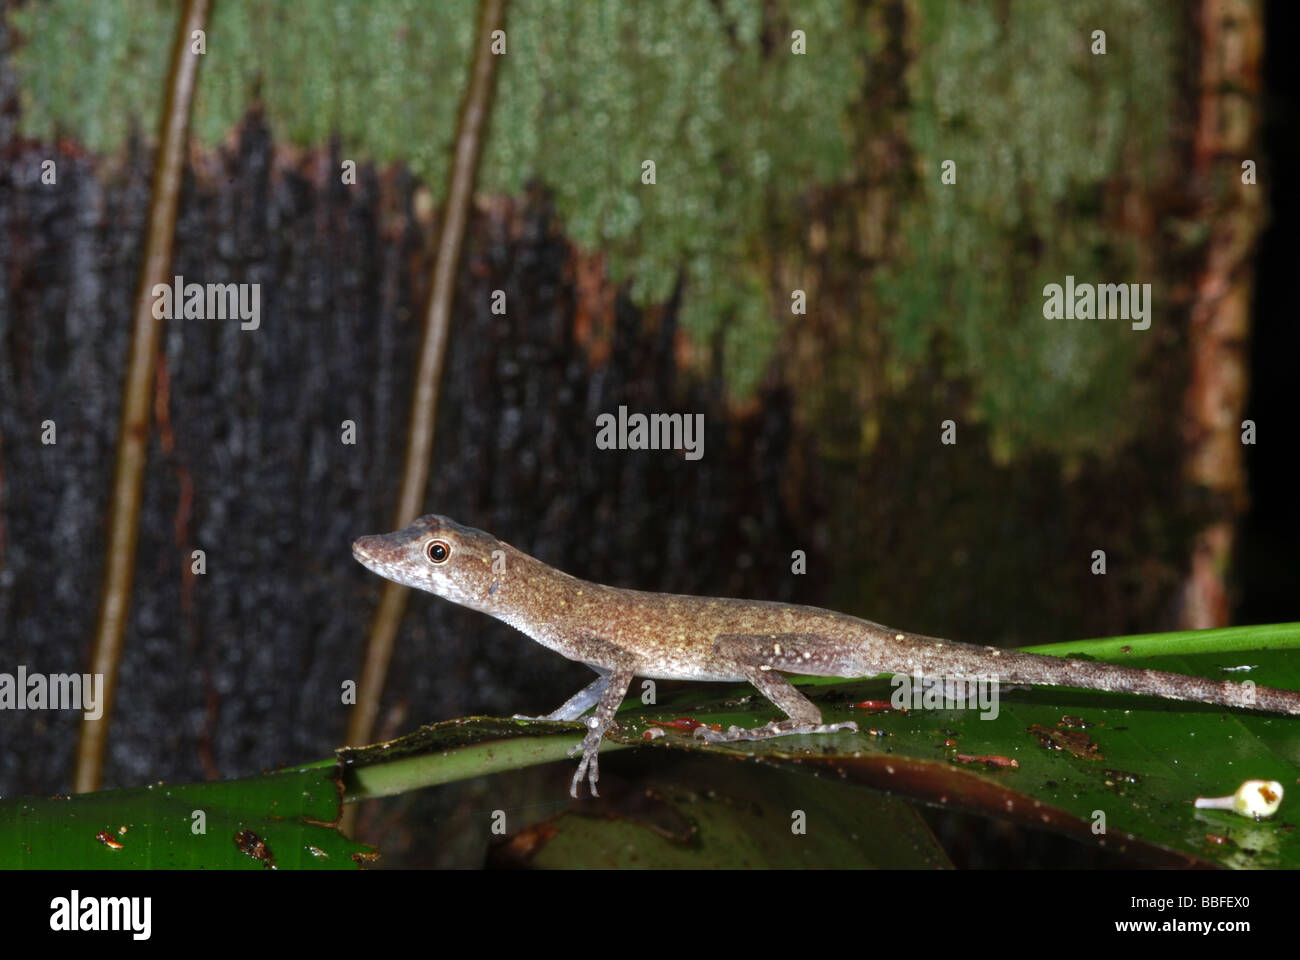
pixel 590 767
pixel 590 764
pixel 777 728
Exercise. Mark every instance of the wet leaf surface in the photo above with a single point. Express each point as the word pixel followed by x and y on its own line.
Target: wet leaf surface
pixel 280 820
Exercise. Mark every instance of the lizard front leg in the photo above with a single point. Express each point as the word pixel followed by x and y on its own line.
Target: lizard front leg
pixel 611 695
pixel 579 703
pixel 759 658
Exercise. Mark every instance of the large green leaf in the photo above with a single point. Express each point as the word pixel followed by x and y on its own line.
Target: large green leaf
pixel 683 811
pixel 1080 757
pixel 660 809
pixel 284 819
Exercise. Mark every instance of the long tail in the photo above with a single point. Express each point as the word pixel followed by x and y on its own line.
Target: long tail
pixel 950 658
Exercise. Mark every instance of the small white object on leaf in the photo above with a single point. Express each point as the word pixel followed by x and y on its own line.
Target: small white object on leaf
pixel 1254 798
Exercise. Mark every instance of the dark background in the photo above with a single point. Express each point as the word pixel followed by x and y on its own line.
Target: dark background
pixel 1268 572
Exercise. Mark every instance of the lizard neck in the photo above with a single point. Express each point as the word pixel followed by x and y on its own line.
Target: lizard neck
pixel 535 598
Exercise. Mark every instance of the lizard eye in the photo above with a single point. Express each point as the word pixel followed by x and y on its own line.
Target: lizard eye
pixel 438 551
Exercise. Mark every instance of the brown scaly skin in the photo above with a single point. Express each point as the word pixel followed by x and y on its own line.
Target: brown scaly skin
pixel 625 633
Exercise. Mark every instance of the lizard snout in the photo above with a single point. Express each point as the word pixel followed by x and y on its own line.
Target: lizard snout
pixel 361 548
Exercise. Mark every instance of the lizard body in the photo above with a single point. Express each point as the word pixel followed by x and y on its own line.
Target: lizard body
pixel 623 633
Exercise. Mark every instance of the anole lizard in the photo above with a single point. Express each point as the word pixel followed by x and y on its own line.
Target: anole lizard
pixel 625 633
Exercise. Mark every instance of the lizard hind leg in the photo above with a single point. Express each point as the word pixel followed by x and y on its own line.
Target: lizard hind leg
pixel 612 690
pixel 759 657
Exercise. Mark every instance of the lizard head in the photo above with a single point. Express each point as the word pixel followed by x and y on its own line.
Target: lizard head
pixel 438 555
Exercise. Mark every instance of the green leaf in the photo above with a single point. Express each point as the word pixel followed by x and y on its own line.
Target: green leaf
pixel 1136 762
pixel 658 809
pixel 693 812
pixel 284 819
pixel 1269 636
